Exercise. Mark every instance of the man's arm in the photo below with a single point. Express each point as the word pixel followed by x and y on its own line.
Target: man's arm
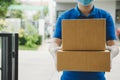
pixel 54 46
pixel 110 42
pixel 56 42
pixel 114 50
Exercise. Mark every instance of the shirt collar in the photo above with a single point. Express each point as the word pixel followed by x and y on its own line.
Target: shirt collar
pixel 78 12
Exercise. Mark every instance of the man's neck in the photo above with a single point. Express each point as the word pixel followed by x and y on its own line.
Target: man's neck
pixel 86 10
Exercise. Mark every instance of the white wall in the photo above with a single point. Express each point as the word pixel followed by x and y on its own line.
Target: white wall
pixel 65 6
pixel 118 4
pixel 109 6
pixel 66 1
pixel 52 12
pixel 42 29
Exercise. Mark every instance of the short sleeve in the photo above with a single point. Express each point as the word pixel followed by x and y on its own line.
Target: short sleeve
pixel 57 31
pixel 110 28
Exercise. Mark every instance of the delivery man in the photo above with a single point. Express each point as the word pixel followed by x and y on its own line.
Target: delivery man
pixel 85 10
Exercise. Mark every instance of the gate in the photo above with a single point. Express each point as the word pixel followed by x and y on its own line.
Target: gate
pixel 9 56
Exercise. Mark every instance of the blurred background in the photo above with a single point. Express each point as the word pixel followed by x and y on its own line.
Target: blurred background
pixel 34 21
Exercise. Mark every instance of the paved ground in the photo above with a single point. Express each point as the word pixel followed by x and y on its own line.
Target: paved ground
pixel 38 65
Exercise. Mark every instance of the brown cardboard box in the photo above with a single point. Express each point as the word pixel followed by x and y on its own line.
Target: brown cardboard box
pixel 83 61
pixel 84 34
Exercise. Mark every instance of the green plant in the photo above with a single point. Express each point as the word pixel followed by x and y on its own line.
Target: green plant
pixel 45 10
pixel 33 40
pixel 29 37
pixel 41 14
pixel 16 13
pixel 30 41
pixel 22 40
pixel 29 44
pixel 2 24
pixel 36 16
pixel 39 41
pixel 4 7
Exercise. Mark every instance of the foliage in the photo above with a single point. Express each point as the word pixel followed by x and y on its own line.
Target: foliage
pixel 30 41
pixel 41 14
pixel 29 37
pixel 16 14
pixel 45 10
pixel 2 24
pixel 4 7
pixel 36 16
pixel 39 41
pixel 22 40
pixel 30 29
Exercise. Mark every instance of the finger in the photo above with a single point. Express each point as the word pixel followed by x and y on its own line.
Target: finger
pixel 59 48
pixel 109 48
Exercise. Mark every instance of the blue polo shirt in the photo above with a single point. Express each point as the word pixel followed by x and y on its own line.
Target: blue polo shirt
pixel 75 13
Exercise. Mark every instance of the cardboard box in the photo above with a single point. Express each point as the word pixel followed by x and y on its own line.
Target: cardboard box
pixel 84 34
pixel 93 61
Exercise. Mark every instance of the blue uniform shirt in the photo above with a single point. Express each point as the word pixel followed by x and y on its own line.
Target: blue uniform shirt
pixel 110 35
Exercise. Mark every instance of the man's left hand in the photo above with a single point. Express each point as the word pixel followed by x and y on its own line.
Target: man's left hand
pixel 114 51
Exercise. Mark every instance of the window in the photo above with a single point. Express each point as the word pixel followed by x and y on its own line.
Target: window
pixel 59 12
pixel 118 16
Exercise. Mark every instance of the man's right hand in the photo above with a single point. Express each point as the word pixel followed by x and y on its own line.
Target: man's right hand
pixel 53 48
